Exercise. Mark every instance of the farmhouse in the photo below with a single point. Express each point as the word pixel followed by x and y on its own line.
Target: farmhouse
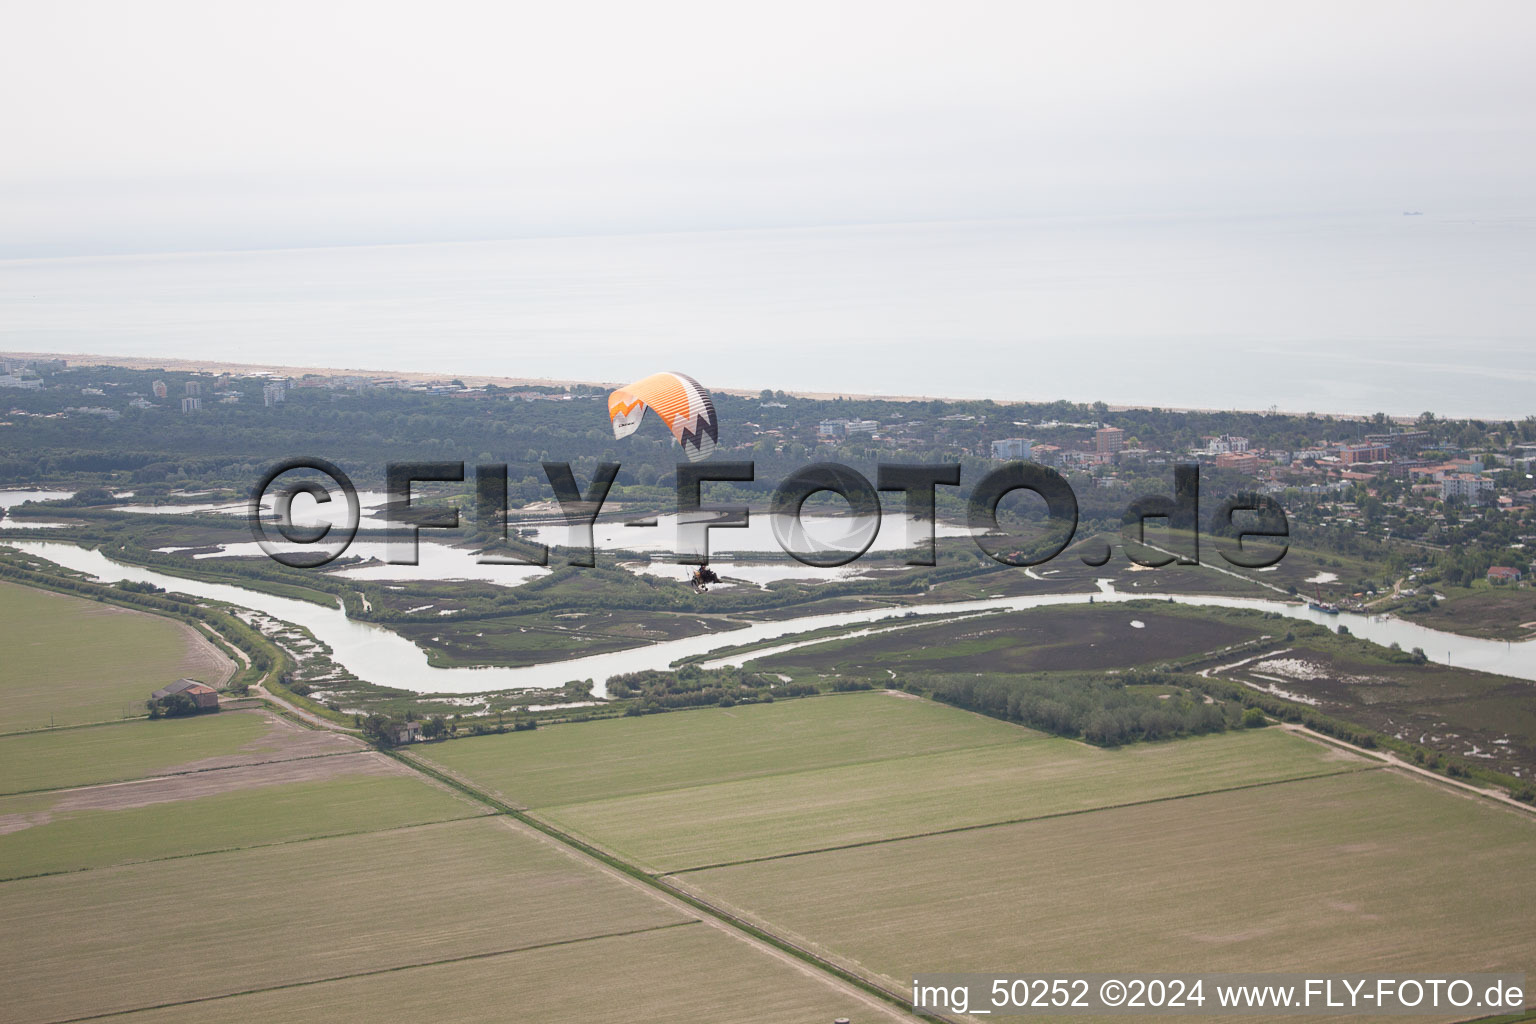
pixel 408 732
pixel 202 695
pixel 1503 574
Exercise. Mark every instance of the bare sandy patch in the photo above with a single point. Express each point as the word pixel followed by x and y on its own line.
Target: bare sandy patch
pixel 122 796
pixel 202 660
pixel 205 662
pixel 283 741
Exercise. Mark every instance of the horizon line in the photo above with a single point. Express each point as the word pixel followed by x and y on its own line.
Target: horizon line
pixel 183 365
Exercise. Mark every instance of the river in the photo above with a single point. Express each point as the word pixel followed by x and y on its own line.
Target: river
pixel 387 659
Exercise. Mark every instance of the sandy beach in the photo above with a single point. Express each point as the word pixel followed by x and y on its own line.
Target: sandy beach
pixel 479 380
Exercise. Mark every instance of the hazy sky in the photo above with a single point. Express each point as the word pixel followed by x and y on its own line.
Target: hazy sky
pixel 162 125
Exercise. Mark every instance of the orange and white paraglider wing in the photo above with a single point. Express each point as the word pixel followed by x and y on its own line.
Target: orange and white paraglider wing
pixel 682 404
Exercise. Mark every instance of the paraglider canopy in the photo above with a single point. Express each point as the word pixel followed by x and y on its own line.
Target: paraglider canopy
pixel 682 404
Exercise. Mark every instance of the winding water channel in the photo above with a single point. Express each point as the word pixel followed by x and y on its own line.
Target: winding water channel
pixel 380 656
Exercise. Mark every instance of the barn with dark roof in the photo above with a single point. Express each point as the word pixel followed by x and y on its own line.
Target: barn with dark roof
pixel 203 695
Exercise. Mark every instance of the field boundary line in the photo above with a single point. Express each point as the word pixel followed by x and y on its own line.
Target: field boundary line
pixel 178 775
pixel 731 923
pixel 1028 733
pixel 1023 821
pixel 802 771
pixel 145 717
pixel 1392 761
pixel 378 971
pixel 460 781
pixel 253 846
pixel 45 730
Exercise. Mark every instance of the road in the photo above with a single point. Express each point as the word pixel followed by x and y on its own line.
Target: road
pixel 803 961
pixel 300 713
pixel 1376 753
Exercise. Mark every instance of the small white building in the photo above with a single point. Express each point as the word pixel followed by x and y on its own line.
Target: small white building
pixel 408 732
pixel 1011 449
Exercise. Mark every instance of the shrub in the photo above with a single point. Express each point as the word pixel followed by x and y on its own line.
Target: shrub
pixel 175 705
pixel 1101 711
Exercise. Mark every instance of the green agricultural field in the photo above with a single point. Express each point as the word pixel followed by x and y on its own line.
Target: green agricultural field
pixel 1075 638
pixel 1036 776
pixel 617 757
pixel 1362 872
pixel 68 660
pixel 691 972
pixel 143 935
pixel 133 750
pixel 43 833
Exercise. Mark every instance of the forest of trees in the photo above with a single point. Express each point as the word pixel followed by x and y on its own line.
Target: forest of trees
pixel 691 686
pixel 1103 710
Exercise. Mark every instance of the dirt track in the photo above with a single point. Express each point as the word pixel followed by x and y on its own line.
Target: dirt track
pixel 283 741
pixel 293 709
pixel 207 662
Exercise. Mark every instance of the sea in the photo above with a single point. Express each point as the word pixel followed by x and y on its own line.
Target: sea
pixel 1347 313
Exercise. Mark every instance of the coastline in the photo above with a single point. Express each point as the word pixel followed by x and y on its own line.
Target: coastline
pixel 479 380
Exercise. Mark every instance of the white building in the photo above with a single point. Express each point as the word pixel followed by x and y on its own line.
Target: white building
pixel 1011 449
pixel 1226 444
pixel 1474 489
pixel 843 428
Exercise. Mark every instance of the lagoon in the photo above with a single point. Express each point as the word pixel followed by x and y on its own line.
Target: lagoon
pixel 385 658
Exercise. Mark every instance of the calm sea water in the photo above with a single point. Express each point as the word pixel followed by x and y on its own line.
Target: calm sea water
pixel 1334 314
